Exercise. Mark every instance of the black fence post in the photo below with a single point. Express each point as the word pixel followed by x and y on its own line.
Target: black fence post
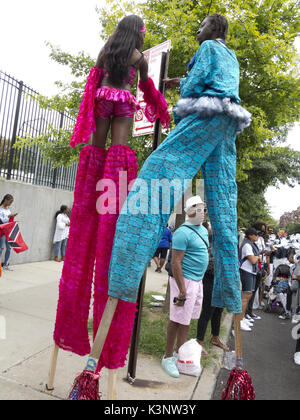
pixel 55 169
pixel 14 133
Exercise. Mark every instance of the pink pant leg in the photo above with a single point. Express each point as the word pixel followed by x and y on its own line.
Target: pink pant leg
pixel 71 331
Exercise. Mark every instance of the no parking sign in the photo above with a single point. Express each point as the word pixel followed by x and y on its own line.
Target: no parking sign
pixel 141 125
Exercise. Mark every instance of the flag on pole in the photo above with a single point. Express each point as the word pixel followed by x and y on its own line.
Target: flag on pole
pixel 13 235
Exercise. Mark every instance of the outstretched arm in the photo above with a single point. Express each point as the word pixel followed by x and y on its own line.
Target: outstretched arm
pixel 143 69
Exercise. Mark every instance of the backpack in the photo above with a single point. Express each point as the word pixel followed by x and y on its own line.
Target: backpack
pixel 255 252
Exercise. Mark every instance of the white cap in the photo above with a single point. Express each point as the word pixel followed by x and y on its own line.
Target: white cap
pixel 192 201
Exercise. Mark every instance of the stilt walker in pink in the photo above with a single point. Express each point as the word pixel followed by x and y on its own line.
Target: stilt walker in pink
pixel 107 104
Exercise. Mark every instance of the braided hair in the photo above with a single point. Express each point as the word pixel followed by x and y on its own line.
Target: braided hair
pixel 221 25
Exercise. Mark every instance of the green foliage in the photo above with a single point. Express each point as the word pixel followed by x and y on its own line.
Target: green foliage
pixel 54 146
pixel 262 33
pixel 292 228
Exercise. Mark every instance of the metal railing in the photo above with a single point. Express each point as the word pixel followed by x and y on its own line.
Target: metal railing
pixel 22 116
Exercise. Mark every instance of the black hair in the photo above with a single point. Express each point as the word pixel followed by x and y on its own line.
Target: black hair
pixel 118 50
pixel 221 25
pixel 251 231
pixel 62 209
pixel 258 226
pixel 6 197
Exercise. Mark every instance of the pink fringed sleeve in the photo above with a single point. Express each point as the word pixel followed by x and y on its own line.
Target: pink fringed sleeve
pixel 85 123
pixel 156 107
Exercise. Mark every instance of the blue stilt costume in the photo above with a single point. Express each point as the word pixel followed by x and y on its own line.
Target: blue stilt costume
pixel 208 117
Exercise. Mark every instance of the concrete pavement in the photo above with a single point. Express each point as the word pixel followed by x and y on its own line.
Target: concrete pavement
pixel 28 300
pixel 268 352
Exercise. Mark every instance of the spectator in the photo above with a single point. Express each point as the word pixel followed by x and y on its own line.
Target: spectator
pixel 61 233
pixel 266 267
pixel 189 263
pixel 162 250
pixel 249 257
pixel 5 216
pixel 297 278
pixel 261 228
pixel 209 313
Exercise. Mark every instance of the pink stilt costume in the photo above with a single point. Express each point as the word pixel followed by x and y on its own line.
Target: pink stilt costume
pixel 91 234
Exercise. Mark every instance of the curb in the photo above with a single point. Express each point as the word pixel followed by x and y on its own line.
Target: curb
pixel 206 384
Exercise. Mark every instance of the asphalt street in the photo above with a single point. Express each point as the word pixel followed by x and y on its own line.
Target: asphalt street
pixel 268 357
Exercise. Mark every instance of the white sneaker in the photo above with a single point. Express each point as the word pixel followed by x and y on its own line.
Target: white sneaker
pixel 7 268
pixel 245 326
pixel 295 319
pixel 247 322
pixel 297 358
pixel 255 317
pixel 249 319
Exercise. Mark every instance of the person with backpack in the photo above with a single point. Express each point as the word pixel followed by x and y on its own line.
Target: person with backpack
pixel 249 260
pixel 189 263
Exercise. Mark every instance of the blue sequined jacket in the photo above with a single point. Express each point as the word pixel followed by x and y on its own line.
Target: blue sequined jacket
pixel 212 86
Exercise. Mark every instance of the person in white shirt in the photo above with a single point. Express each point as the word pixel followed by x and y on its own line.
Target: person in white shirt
pixel 5 215
pixel 254 303
pixel 249 257
pixel 61 233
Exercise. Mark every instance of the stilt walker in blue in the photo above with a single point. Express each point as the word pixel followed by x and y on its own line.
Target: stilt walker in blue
pixel 208 116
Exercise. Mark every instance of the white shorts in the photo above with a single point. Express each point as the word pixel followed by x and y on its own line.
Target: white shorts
pixel 193 304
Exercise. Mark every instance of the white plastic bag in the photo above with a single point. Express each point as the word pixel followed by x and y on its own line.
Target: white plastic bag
pixel 189 358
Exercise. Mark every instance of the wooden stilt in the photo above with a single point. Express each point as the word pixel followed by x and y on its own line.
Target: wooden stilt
pixel 52 370
pixel 112 382
pixel 103 328
pixel 238 336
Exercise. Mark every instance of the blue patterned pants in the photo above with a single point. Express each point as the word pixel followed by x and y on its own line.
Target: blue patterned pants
pixel 195 143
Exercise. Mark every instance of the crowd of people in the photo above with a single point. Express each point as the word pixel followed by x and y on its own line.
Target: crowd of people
pixel 270 277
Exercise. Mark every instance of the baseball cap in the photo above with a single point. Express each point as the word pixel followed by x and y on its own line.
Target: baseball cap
pixel 192 201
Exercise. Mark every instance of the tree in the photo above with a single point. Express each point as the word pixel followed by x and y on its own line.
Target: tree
pixel 293 228
pixel 262 33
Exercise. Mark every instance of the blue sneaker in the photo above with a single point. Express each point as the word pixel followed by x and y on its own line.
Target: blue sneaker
pixel 169 366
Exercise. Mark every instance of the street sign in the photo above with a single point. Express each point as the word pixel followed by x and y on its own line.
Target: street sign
pixel 141 126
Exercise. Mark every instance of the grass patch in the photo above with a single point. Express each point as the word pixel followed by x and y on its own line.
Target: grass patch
pixel 153 334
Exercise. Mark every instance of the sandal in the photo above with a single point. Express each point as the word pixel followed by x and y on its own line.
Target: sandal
pixel 218 343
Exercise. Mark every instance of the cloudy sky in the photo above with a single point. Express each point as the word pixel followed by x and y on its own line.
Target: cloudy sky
pixel 73 25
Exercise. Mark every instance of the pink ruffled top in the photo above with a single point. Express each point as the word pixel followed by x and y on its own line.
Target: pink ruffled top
pixel 117 95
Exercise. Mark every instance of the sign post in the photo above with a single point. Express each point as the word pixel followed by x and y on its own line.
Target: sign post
pixel 142 128
pixel 155 57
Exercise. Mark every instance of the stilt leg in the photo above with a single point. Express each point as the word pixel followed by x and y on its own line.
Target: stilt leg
pixel 52 370
pixel 112 380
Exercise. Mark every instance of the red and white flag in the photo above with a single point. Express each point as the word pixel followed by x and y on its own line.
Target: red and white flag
pixel 12 233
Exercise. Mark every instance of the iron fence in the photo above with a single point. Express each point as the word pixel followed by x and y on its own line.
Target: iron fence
pixel 22 116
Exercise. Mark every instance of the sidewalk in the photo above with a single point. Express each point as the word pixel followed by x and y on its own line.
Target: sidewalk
pixel 28 300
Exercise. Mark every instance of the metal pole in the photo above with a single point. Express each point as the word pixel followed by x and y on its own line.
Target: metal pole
pixel 55 169
pixel 131 372
pixel 14 133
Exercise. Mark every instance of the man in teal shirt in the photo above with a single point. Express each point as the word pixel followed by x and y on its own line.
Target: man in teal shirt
pixel 189 263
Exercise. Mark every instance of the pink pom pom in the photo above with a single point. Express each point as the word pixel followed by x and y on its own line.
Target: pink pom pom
pixel 85 387
pixel 239 387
